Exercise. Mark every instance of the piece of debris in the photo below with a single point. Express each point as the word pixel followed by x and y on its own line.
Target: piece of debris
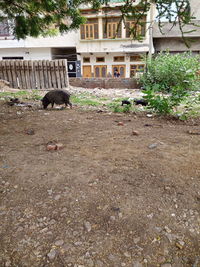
pixel 120 123
pixel 18 103
pixel 30 132
pixel 52 254
pixel 167 229
pixel 193 132
pixel 87 226
pixel 152 146
pixel 135 133
pixel 59 108
pixel 116 209
pixel 13 101
pixel 52 145
pixel 59 146
pixel 180 244
pixel 148 125
pixel 149 115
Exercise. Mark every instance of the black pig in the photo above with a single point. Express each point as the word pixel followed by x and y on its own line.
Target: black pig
pixel 142 102
pixel 58 97
pixel 126 102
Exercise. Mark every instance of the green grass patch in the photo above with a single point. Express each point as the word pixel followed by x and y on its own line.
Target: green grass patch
pixel 82 100
pixel 22 94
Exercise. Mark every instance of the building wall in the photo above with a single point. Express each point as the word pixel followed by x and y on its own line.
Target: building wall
pixel 105 83
pixel 67 40
pixel 176 45
pixel 26 53
pixel 195 8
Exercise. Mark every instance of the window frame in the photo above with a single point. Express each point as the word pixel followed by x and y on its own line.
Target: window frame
pixel 135 57
pixel 115 57
pixel 90 30
pixel 100 61
pixel 136 70
pixel 112 32
pixel 139 28
pixel 85 61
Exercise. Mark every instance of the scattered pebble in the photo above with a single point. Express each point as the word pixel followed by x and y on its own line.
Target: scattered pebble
pixel 135 133
pixel 30 132
pixel 52 254
pixel 152 146
pixel 57 197
pixel 180 244
pixel 87 226
pixel 149 115
pixel 59 243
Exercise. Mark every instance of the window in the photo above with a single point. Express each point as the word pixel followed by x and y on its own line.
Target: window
pixel 4 28
pixel 89 31
pixel 100 59
pixel 136 70
pixel 111 28
pixel 100 71
pixel 120 68
pixel 119 59
pixel 136 57
pixel 139 29
pixel 86 60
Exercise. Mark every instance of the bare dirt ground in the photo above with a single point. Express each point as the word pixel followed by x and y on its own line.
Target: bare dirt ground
pixel 108 198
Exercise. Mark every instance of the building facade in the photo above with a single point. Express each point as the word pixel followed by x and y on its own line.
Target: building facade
pixel 106 45
pixel 100 47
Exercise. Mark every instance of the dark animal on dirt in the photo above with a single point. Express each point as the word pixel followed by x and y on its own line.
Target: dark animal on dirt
pixel 58 97
pixel 126 102
pixel 142 102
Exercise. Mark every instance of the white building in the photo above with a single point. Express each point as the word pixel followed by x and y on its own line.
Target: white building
pixel 98 45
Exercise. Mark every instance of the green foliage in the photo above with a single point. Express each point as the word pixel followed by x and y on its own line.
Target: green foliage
pixel 172 75
pixel 162 103
pixel 45 17
pixel 22 95
pixel 166 71
pixel 116 107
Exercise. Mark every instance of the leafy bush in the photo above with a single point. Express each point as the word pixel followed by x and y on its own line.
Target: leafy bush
pixel 163 103
pixel 174 76
pixel 166 71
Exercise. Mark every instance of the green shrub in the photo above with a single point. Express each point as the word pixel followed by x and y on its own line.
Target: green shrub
pixel 162 103
pixel 166 71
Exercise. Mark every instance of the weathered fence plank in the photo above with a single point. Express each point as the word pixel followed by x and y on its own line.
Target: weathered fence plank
pixel 18 74
pixel 36 74
pixel 64 62
pixel 14 83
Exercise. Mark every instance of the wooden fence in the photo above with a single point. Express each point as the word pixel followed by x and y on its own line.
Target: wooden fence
pixel 35 74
